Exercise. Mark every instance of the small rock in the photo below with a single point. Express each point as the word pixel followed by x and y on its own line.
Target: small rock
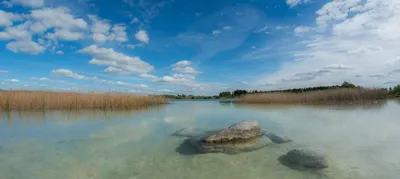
pixel 307 158
pixel 278 139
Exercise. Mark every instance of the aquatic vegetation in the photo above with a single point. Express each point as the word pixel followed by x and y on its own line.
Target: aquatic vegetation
pixel 330 96
pixel 38 100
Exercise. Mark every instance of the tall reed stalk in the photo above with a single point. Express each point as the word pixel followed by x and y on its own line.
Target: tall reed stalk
pixel 44 100
pixel 331 96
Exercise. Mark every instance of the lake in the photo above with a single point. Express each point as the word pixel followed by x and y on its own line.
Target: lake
pixel 361 141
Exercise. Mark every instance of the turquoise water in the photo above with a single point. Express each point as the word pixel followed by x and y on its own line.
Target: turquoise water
pixel 361 142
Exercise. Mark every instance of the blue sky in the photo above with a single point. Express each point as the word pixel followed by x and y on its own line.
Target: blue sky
pixel 197 47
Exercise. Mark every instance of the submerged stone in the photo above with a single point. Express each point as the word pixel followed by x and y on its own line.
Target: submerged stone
pixel 244 130
pixel 307 158
pixel 190 132
pixel 278 139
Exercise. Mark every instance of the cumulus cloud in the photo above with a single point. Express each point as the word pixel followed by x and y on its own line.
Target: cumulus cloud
pixel 301 30
pixel 182 63
pixel 185 70
pixel 25 46
pixel 26 3
pixel 102 31
pixel 7 18
pixel 69 74
pixel 14 80
pixel 142 36
pixel 59 17
pixel 59 52
pixel 65 34
pixel 148 76
pixel 117 63
pixel 360 39
pixel 184 66
pixel 49 23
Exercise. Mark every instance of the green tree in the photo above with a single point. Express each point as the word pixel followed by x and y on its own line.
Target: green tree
pixel 396 90
pixel 348 85
pixel 225 94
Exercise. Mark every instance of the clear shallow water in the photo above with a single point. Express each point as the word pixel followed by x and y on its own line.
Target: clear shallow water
pixel 362 142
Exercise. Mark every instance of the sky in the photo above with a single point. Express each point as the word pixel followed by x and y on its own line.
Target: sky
pixel 197 47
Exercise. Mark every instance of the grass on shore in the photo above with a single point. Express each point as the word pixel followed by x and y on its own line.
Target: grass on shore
pixel 41 100
pixel 331 96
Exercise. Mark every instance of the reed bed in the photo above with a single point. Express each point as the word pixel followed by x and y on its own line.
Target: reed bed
pixel 44 100
pixel 330 96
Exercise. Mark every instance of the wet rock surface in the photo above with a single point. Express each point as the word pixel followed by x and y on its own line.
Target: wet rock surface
pixel 245 130
pixel 241 137
pixel 302 159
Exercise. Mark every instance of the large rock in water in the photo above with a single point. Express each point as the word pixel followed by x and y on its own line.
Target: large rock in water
pixel 307 158
pixel 244 130
pixel 244 136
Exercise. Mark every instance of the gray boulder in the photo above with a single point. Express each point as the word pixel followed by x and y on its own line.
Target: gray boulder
pixel 244 136
pixel 312 159
pixel 241 131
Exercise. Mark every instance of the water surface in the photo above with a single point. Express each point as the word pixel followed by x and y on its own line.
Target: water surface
pixel 361 141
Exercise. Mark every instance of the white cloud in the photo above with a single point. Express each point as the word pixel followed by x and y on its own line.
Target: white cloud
pixel 185 70
pixel 7 18
pixel 18 32
pixel 59 17
pixel 102 31
pixel 70 74
pixel 142 36
pixel 56 72
pixel 184 67
pixel 354 41
pixel 65 34
pixel 59 52
pixel 145 75
pixel 300 30
pixel 227 28
pixel 117 63
pixel 293 3
pixel 27 3
pixel 14 80
pixel 216 32
pixel 99 26
pixel 3 71
pixel 182 63
pixel 25 46
pixel 67 73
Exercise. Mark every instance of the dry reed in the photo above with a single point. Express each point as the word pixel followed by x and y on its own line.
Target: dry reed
pixel 331 96
pixel 44 100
